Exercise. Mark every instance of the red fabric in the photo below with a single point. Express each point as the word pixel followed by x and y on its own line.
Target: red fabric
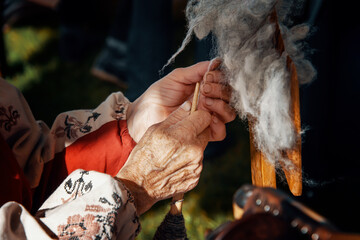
pixel 104 150
pixel 14 185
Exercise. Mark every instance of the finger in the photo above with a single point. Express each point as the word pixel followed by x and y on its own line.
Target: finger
pixel 192 74
pixel 214 64
pixel 223 111
pixel 186 172
pixel 194 124
pixel 177 115
pixel 204 138
pixel 215 90
pixel 218 129
pixel 214 77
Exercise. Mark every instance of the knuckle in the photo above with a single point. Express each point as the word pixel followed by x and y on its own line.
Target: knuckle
pixel 222 108
pixel 198 170
pixel 185 131
pixel 231 113
pixel 222 135
pixel 194 184
pixel 162 135
pixel 195 150
pixel 219 136
pixel 152 128
pixel 155 127
pixel 177 71
pixel 233 116
pixel 204 114
pixel 157 132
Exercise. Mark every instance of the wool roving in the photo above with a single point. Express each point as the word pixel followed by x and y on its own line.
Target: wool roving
pixel 257 72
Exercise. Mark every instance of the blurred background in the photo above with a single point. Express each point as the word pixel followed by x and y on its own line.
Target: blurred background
pixel 66 54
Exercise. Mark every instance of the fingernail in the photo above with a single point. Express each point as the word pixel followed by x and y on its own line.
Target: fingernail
pixel 207 88
pixel 186 106
pixel 209 101
pixel 214 63
pixel 209 77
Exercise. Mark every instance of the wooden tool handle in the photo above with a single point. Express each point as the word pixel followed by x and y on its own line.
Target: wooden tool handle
pixel 176 204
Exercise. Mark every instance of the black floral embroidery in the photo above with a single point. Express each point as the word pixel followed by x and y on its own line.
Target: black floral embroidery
pixel 130 199
pixel 130 196
pixel 77 188
pixel 136 220
pixel 119 112
pixel 8 118
pixel 108 221
pixel 72 126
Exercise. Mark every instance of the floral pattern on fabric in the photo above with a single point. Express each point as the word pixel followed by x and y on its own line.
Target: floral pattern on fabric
pixel 73 126
pixel 91 205
pixel 78 227
pixel 119 113
pixel 8 117
pixel 69 126
pixel 130 199
pixel 108 221
pixel 77 188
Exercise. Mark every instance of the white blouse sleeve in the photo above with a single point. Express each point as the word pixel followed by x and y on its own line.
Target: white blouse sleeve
pixel 87 205
pixel 33 143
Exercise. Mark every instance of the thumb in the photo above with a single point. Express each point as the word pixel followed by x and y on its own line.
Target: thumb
pixel 178 115
pixel 196 123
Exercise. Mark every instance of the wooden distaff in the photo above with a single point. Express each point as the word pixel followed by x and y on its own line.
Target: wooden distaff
pixel 262 171
pixel 177 200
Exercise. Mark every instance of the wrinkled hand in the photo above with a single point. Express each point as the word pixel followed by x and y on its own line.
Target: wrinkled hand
pixel 167 94
pixel 168 159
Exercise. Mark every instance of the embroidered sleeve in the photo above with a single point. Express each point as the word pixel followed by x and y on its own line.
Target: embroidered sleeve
pixel 90 205
pixel 95 139
pixel 87 205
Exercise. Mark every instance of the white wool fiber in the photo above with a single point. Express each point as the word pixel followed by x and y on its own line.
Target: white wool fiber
pixel 253 67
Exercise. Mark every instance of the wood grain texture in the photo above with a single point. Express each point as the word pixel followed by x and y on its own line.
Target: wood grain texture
pixel 293 174
pixel 262 171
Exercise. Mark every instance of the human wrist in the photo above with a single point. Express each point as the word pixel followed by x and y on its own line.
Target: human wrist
pixel 142 200
pixel 135 119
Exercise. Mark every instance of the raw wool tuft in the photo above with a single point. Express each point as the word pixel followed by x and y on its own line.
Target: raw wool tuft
pixel 254 68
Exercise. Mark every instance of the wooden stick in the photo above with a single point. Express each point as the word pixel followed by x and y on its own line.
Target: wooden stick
pixel 293 174
pixel 177 202
pixel 263 172
pixel 195 97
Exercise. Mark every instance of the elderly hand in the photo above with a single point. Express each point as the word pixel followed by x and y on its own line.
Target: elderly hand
pixel 168 159
pixel 167 94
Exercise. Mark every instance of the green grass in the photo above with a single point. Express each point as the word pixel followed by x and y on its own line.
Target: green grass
pixel 22 44
pixel 52 86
